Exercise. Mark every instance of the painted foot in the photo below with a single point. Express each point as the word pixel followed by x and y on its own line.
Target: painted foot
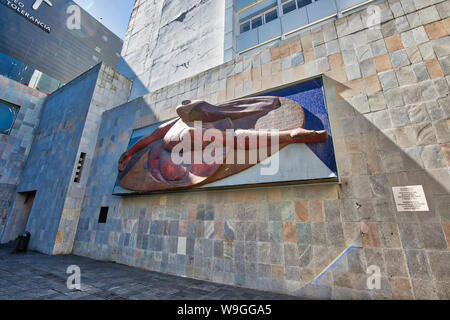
pixel 301 135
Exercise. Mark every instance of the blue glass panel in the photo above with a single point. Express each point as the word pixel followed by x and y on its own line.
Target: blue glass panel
pixel 8 114
pixel 243 3
pixel 303 3
pixel 288 7
pixel 272 15
pixel 256 22
pixel 245 27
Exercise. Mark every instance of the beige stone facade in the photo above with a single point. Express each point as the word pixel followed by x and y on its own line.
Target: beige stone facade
pixel 387 94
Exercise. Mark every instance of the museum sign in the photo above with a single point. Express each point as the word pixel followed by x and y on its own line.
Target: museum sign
pixel 19 7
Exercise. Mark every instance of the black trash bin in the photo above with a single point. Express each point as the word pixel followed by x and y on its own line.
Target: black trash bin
pixel 21 244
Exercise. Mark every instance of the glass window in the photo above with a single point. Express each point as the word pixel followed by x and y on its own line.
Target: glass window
pixel 272 15
pixel 245 27
pixel 289 6
pixel 243 3
pixel 302 3
pixel 8 114
pixel 257 22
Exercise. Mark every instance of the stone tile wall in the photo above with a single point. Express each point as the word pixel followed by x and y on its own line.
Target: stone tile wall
pixel 387 93
pixel 69 125
pixel 14 148
pixel 111 89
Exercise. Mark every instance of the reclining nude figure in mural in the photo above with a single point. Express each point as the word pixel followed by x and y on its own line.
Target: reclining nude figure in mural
pixel 148 165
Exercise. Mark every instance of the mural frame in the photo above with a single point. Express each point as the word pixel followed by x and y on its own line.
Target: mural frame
pixel 119 191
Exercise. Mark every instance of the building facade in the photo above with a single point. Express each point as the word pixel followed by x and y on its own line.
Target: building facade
pixel 386 87
pixel 18 128
pixel 45 44
pixel 168 41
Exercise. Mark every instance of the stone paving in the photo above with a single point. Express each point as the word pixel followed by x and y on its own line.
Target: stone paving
pixel 38 276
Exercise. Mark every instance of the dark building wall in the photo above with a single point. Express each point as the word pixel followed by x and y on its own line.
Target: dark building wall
pixel 52 158
pixel 69 125
pixel 62 54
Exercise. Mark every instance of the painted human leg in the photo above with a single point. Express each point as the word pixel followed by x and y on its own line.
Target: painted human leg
pixel 247 139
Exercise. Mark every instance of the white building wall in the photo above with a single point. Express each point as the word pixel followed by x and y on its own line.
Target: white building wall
pixel 170 40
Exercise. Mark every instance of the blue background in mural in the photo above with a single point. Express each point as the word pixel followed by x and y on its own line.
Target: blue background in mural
pixel 141 133
pixel 311 97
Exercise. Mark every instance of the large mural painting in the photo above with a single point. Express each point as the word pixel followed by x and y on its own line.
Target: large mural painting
pixel 277 137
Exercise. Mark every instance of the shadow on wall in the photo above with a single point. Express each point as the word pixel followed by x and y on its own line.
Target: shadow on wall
pixel 138 88
pixel 114 135
pixel 327 257
pixel 374 156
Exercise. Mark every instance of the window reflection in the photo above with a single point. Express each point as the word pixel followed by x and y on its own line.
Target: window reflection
pixel 8 114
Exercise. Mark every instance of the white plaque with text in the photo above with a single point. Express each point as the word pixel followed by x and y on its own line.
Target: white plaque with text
pixel 410 198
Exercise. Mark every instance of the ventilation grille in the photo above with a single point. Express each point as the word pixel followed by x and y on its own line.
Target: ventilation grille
pixel 79 167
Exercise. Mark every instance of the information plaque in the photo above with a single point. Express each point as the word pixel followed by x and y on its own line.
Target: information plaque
pixel 410 198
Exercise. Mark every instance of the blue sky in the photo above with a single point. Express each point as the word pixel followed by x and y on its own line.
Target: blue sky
pixel 114 14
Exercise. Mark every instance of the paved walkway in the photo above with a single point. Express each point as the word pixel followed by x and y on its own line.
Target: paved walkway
pixel 37 276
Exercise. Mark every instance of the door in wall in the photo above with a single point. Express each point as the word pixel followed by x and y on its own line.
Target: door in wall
pixel 20 213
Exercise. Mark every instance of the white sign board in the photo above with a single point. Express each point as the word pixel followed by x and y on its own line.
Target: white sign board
pixel 410 198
